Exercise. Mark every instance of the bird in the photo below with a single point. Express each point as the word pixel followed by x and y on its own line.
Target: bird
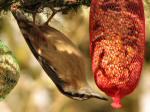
pixel 59 57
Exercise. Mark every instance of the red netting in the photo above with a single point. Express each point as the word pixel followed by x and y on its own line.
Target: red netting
pixel 117 40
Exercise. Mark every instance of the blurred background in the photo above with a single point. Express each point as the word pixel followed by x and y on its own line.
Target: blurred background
pixel 35 92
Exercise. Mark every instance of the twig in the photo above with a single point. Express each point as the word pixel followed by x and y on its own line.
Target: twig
pixel 54 12
pixel 34 16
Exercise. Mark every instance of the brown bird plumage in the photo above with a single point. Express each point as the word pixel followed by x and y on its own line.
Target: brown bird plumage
pixel 59 57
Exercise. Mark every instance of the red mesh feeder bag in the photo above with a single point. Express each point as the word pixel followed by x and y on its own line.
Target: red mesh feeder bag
pixel 117 45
